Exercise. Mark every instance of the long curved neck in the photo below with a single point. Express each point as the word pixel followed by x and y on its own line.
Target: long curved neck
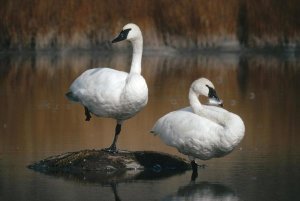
pixel 194 102
pixel 202 111
pixel 137 45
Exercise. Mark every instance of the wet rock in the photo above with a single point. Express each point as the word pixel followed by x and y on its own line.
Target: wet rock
pixel 104 167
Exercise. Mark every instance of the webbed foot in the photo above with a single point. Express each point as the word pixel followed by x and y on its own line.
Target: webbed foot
pixel 111 150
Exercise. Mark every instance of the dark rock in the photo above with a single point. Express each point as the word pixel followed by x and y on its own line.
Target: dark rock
pixel 104 167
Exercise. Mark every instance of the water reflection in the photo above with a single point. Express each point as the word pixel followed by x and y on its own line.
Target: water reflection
pixel 115 192
pixel 204 191
pixel 37 121
pixel 193 191
pixel 253 87
pixel 115 177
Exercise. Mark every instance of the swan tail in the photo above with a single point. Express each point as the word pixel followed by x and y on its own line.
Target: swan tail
pixel 153 132
pixel 71 96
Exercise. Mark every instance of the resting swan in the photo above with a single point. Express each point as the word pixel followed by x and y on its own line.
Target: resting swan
pixel 110 93
pixel 201 131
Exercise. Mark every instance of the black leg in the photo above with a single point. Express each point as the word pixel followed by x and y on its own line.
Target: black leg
pixel 87 114
pixel 195 170
pixel 113 146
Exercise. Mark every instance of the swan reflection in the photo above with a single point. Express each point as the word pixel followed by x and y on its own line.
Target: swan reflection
pixel 204 191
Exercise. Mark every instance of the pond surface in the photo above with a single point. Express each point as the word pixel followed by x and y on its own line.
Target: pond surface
pixel 37 121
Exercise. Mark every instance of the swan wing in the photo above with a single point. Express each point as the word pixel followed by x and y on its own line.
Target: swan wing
pixel 99 89
pixel 190 133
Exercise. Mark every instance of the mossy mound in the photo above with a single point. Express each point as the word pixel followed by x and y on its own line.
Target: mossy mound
pixel 101 166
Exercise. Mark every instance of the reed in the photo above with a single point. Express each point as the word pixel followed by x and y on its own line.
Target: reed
pixel 189 24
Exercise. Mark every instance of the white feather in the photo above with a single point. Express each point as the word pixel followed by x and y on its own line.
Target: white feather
pixel 200 131
pixel 111 93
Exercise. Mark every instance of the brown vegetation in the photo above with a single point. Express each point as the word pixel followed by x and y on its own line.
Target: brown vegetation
pixel 192 24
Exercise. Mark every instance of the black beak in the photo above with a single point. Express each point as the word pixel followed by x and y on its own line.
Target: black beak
pixel 122 36
pixel 212 95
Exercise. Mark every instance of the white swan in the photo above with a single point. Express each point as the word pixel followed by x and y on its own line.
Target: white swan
pixel 201 131
pixel 106 92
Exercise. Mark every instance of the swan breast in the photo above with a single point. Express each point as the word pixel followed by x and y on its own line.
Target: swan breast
pixel 135 94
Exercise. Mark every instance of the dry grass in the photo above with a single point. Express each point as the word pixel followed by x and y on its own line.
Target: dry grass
pixel 81 24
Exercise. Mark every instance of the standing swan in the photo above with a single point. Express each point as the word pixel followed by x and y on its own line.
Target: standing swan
pixel 201 131
pixel 110 93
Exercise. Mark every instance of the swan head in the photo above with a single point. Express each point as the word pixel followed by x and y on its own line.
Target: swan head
pixel 129 32
pixel 206 88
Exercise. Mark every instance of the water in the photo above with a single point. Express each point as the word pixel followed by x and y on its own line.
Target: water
pixel 37 121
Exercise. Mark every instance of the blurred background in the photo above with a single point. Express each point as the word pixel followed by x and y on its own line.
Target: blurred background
pixel 188 24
